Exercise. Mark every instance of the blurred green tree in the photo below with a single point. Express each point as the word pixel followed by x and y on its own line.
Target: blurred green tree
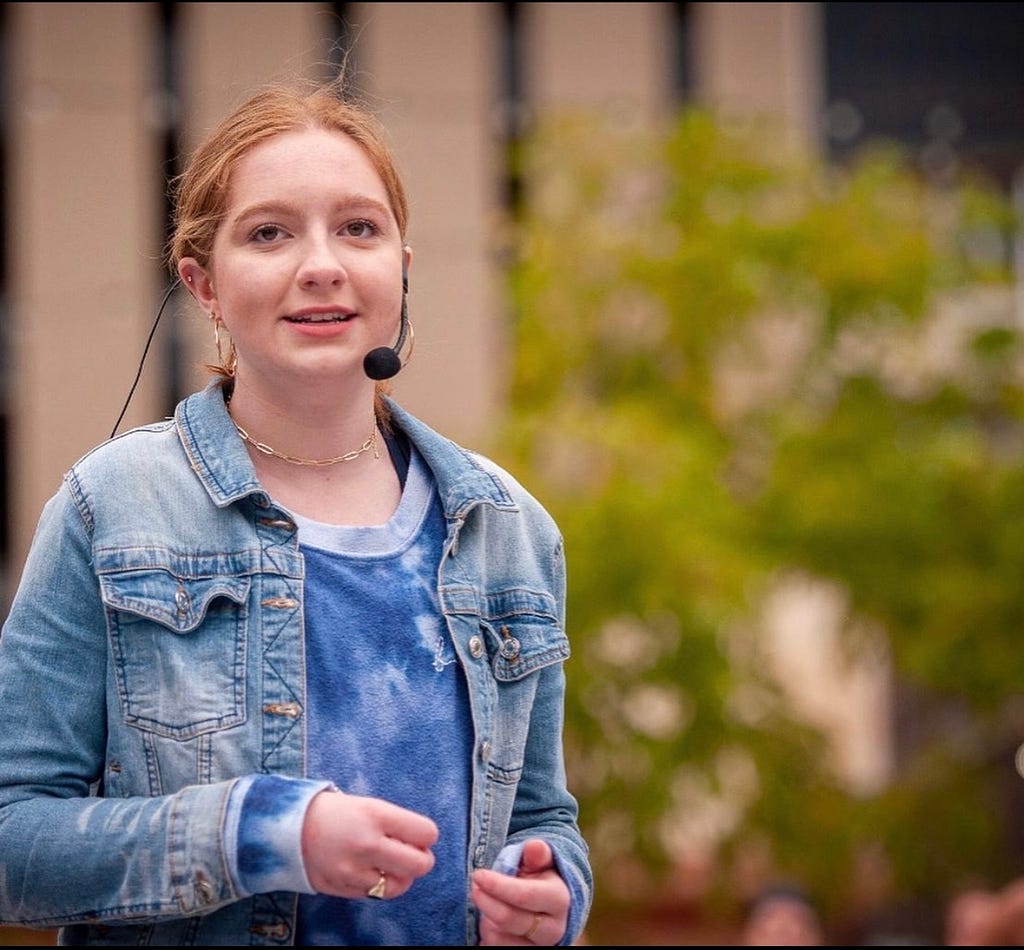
pixel 742 384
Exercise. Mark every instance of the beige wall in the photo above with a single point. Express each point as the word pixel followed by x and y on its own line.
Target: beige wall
pixel 83 228
pixel 762 60
pixel 85 184
pixel 615 56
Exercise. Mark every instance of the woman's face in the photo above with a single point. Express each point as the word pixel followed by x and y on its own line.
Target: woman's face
pixel 306 268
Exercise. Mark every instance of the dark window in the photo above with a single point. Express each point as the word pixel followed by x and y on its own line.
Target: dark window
pixel 682 76
pixel 946 79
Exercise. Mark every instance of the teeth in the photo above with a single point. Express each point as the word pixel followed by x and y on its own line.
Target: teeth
pixel 322 317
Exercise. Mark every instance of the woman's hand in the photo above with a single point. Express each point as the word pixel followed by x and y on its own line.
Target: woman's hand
pixel 352 844
pixel 531 908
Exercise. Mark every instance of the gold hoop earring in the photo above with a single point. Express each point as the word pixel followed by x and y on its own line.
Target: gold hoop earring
pixel 226 367
pixel 411 345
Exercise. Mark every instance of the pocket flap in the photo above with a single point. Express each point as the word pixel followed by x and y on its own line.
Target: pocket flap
pixel 178 603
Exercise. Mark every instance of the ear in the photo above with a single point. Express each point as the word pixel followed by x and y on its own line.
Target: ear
pixel 406 257
pixel 197 282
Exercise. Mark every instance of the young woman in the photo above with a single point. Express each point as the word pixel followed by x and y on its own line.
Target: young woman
pixel 289 667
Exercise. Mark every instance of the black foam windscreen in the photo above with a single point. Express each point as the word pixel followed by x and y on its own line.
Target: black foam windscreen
pixel 385 361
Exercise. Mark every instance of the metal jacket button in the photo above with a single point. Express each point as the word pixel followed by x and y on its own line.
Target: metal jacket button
pixel 509 645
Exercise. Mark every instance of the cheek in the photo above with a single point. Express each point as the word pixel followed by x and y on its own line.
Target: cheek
pixel 241 290
pixel 385 291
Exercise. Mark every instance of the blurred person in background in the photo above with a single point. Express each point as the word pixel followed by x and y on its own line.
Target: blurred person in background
pixel 980 917
pixel 782 915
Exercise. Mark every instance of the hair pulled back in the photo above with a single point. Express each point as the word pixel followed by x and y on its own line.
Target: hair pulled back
pixel 201 191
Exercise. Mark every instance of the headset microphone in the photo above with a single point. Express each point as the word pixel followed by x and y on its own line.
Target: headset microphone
pixel 385 361
pixel 381 363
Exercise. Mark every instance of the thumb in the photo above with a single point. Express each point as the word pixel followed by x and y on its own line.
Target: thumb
pixel 536 857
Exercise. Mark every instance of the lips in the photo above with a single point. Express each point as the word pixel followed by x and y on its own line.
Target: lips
pixel 336 317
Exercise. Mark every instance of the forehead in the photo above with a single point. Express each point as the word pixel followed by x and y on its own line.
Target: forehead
pixel 305 159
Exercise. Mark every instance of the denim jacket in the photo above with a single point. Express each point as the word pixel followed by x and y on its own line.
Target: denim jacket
pixel 153 656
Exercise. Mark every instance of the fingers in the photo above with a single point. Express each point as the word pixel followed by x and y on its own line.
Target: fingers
pixel 351 842
pixel 531 908
pixel 536 857
pixel 400 824
pixel 521 930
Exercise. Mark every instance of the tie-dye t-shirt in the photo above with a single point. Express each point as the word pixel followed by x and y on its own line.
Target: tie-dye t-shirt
pixel 387 709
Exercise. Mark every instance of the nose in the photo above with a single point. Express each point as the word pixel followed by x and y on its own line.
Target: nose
pixel 320 264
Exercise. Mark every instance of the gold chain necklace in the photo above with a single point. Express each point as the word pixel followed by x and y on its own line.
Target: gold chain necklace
pixel 370 443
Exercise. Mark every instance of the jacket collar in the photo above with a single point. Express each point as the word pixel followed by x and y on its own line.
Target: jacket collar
pixel 219 457
pixel 214 448
pixel 462 480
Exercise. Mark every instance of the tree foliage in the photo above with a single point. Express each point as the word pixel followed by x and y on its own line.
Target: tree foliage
pixel 737 375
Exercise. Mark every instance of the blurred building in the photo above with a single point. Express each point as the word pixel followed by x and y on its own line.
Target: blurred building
pixel 100 100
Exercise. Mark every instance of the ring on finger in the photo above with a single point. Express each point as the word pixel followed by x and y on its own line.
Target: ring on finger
pixel 378 889
pixel 533 928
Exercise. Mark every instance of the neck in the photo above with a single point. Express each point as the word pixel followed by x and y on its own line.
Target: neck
pixel 351 456
pixel 303 437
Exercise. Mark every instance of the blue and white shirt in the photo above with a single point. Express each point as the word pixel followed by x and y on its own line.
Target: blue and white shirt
pixel 388 708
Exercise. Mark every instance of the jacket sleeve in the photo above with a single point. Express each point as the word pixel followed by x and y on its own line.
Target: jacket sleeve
pixel 544 805
pixel 70 855
pixel 552 813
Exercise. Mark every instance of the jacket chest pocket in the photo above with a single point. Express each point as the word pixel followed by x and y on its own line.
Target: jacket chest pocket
pixel 522 638
pixel 179 649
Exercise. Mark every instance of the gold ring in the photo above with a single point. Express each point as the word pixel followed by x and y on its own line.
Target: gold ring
pixel 377 891
pixel 533 928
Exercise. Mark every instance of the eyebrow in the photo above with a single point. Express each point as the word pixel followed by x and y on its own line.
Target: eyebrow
pixel 352 202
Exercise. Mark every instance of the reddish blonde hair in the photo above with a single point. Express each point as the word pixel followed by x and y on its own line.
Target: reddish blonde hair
pixel 201 190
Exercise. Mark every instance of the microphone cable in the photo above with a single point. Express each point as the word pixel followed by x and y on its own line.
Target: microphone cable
pixel 145 352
